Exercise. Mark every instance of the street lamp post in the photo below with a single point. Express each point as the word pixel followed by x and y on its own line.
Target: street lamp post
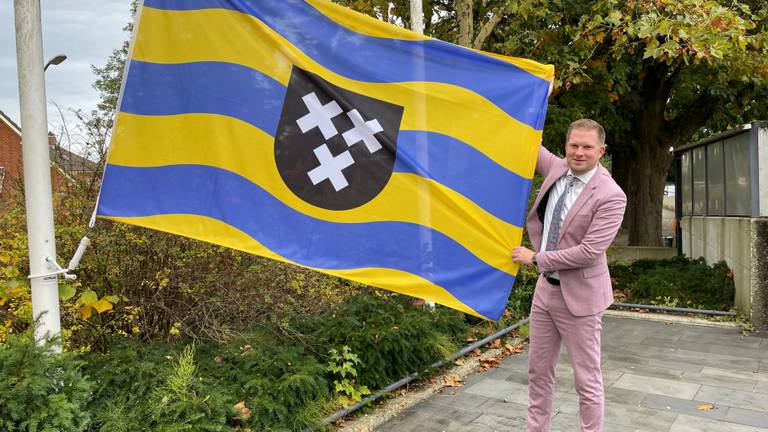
pixel 417 25
pixel 37 172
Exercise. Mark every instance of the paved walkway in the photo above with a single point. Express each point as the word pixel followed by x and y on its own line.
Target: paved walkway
pixel 656 375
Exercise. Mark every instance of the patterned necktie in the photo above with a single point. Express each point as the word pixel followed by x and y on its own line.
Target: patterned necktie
pixel 557 215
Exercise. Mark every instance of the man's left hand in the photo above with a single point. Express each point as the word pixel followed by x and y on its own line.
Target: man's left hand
pixel 522 255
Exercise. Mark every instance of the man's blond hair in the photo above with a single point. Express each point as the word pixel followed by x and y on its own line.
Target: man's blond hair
pixel 588 124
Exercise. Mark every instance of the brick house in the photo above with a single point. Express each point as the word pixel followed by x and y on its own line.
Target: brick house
pixel 63 163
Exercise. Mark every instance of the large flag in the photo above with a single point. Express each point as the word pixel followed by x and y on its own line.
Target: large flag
pixel 305 132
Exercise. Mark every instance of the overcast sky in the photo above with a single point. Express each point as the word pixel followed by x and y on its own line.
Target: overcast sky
pixel 87 31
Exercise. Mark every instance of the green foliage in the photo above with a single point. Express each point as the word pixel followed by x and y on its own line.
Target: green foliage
pixel 185 402
pixel 15 300
pixel 41 391
pixel 283 385
pixel 519 304
pixel 126 376
pixel 342 364
pixel 678 281
pixel 391 336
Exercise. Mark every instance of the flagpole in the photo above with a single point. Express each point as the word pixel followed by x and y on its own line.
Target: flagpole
pixel 417 17
pixel 37 170
pixel 417 25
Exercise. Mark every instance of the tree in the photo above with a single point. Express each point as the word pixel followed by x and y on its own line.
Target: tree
pixel 657 73
pixel 465 22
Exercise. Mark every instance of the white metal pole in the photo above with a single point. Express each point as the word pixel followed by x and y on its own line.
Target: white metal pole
pixel 417 25
pixel 417 17
pixel 37 167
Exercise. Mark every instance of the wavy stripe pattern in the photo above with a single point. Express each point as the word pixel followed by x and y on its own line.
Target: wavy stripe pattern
pixel 366 58
pixel 458 166
pixel 370 26
pixel 193 145
pixel 169 37
pixel 222 195
pixel 198 139
pixel 218 88
pixel 229 90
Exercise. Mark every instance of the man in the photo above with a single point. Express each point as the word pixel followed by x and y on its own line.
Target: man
pixel 574 219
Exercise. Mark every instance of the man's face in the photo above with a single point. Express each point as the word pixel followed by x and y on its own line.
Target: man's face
pixel 583 150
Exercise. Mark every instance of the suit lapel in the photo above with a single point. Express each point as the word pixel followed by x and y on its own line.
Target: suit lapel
pixel 549 181
pixel 584 197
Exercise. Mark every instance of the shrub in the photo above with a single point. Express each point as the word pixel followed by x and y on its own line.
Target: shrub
pixel 125 378
pixel 185 402
pixel 41 390
pixel 391 336
pixel 283 385
pixel 519 304
pixel 683 281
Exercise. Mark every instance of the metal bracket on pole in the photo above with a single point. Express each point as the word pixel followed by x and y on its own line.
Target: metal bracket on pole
pixel 73 263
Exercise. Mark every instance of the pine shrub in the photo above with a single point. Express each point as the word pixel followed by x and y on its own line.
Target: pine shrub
pixel 41 391
pixel 391 336
pixel 278 380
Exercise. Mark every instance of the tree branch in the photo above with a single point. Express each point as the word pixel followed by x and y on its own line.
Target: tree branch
pixel 487 28
pixel 682 128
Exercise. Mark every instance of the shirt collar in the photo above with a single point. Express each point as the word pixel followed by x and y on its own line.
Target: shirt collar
pixel 586 177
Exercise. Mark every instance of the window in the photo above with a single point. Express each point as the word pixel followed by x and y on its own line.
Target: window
pixel 699 182
pixel 715 180
pixel 738 197
pixel 685 180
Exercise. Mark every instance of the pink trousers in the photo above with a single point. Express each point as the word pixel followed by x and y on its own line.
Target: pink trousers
pixel 551 324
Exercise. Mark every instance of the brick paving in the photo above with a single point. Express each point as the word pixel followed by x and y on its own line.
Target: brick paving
pixel 657 375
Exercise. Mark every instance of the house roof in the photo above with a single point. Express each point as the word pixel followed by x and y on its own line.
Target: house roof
pixel 7 120
pixel 62 158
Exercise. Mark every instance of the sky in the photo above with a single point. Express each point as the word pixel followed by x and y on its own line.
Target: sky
pixel 87 31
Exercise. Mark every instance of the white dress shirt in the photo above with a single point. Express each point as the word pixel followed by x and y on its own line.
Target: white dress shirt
pixel 557 189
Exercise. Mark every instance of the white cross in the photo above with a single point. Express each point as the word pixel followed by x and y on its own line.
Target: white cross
pixel 319 116
pixel 330 167
pixel 362 131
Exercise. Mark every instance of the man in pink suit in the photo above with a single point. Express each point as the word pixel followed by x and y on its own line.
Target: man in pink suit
pixel 574 219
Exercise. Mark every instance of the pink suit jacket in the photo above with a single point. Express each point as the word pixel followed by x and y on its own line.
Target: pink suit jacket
pixel 589 228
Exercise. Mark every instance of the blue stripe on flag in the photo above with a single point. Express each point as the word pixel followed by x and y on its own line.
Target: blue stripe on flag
pixel 204 87
pixel 225 196
pixel 373 59
pixel 238 92
pixel 466 170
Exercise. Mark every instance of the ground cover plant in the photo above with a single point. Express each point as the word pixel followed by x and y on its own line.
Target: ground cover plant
pixel 677 282
pixel 279 376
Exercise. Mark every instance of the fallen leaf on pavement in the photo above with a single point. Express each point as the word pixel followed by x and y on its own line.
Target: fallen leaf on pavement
pixel 705 407
pixel 452 381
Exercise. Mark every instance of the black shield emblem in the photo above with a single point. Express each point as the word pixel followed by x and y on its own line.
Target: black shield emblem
pixel 334 148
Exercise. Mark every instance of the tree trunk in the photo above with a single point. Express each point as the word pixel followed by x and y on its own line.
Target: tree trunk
pixel 641 159
pixel 466 22
pixel 641 171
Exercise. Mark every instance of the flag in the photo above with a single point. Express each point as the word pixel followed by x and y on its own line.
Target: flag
pixel 302 131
